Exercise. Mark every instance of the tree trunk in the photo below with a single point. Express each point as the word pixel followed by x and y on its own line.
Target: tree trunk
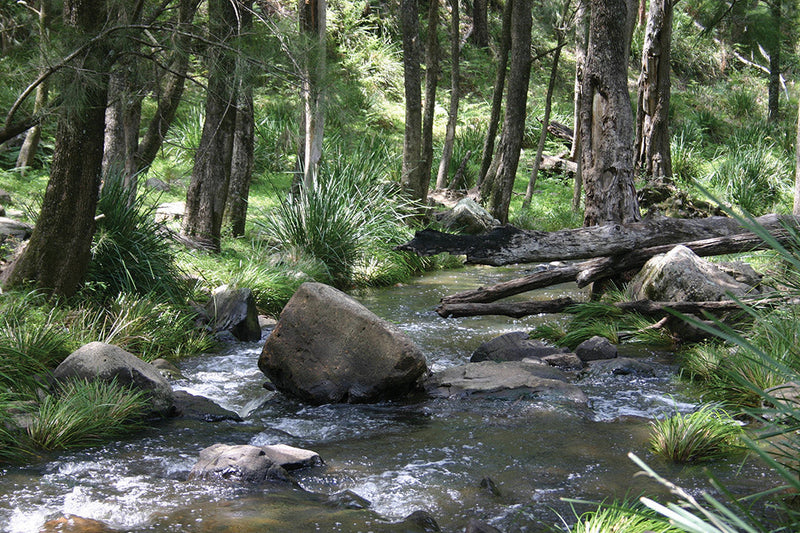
pixel 313 25
pixel 479 36
pixel 508 245
pixel 796 207
pixel 58 253
pixel 545 123
pixel 208 188
pixel 413 182
pixel 607 150
pixel 516 101
pixel 431 81
pixel 642 12
pixel 168 96
pixel 452 114
pixel 243 136
pixel 652 110
pixel 497 97
pixel 27 153
pixel 123 117
pixel 581 43
pixel 775 63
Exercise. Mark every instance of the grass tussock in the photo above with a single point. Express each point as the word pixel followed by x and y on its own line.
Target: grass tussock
pixel 703 435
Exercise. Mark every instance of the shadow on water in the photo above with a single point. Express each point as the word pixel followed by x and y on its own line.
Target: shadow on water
pixel 434 455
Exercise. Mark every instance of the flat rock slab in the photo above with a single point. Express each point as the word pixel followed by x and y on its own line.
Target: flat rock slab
pixel 292 458
pixel 507 380
pixel 239 463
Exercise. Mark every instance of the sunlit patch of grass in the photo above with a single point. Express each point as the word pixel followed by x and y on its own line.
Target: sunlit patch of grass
pixel 622 517
pixel 703 435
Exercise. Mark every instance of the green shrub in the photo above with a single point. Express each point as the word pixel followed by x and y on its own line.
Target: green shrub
pixel 706 434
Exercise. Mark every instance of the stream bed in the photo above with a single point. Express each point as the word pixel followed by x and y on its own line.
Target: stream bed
pixel 432 455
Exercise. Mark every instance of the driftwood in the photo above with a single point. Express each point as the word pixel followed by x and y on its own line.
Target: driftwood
pixel 558 164
pixel 586 272
pixel 558 305
pixel 509 245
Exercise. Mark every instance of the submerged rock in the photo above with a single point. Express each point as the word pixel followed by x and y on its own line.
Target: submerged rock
pixel 75 524
pixel 477 526
pixel 106 362
pixel 328 348
pixel 621 366
pixel 508 380
pixel 514 346
pixel 201 408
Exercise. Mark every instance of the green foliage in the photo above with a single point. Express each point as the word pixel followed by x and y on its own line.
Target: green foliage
pixel 85 413
pixel 621 517
pixel 703 435
pixel 183 138
pixel 686 165
pixel 131 252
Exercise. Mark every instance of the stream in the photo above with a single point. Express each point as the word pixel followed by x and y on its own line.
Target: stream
pixel 429 455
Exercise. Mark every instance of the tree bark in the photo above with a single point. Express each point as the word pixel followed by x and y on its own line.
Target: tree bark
pixel 452 113
pixel 431 81
pixel 796 206
pixel 123 117
pixel 27 152
pixel 479 36
pixel 413 182
pixel 497 96
pixel 508 245
pixel 607 151
pixel 775 62
pixel 243 135
pixel 652 109
pixel 581 43
pixel 516 101
pixel 208 188
pixel 313 25
pixel 58 253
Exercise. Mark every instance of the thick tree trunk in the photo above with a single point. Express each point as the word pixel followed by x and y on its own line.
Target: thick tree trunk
pixel 313 25
pixel 413 182
pixel 508 245
pixel 27 152
pixel 169 93
pixel 123 117
pixel 497 98
pixel 607 150
pixel 208 189
pixel 516 101
pixel 581 43
pixel 431 81
pixel 452 113
pixel 479 36
pixel 58 253
pixel 545 123
pixel 243 137
pixel 652 110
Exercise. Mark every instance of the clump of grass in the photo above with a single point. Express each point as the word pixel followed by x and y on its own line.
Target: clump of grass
pixel 622 517
pixel 706 434
pixel 85 413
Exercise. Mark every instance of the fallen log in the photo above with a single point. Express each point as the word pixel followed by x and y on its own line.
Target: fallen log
pixel 509 245
pixel 559 305
pixel 587 272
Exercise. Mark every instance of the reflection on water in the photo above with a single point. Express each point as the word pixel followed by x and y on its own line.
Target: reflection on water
pixel 403 456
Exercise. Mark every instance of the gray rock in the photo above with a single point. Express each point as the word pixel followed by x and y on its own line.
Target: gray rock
pixel 680 275
pixel 170 211
pixel 514 346
pixel 243 463
pixel 201 408
pixel 106 362
pixel 157 184
pixel 621 366
pixel 167 369
pixel 741 272
pixel 468 217
pixel 347 499
pixel 476 526
pixel 328 348
pixel 596 348
pixel 509 380
pixel 234 310
pixel 291 458
pixel 564 361
pixel 5 197
pixel 420 522
pixel 14 228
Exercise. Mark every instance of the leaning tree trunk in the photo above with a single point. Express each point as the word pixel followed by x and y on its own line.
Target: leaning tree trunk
pixel 581 43
pixel 413 182
pixel 431 80
pixel 607 150
pixel 516 100
pixel 452 114
pixel 58 253
pixel 243 136
pixel 497 97
pixel 313 24
pixel 652 109
pixel 208 188
pixel 30 145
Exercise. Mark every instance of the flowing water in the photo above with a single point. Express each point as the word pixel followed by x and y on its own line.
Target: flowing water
pixel 402 457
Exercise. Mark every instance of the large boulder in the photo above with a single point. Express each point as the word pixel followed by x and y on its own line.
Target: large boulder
pixel 514 346
pixel 106 362
pixel 596 348
pixel 509 380
pixel 328 348
pixel 234 310
pixel 242 463
pixel 201 408
pixel 680 275
pixel 468 217
pixel 10 227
